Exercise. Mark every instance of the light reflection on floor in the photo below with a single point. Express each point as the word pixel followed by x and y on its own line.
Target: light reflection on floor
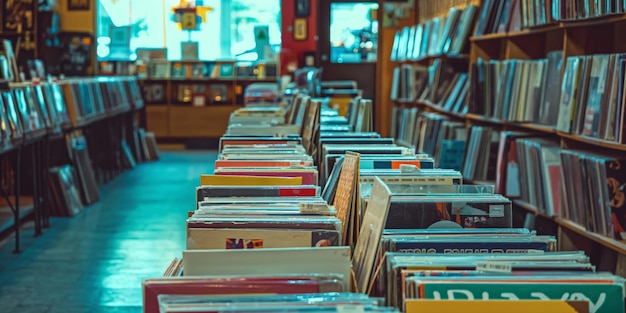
pixel 95 262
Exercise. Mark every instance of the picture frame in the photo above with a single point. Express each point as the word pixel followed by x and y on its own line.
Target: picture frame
pixel 17 16
pixel 78 5
pixel 303 8
pixel 300 29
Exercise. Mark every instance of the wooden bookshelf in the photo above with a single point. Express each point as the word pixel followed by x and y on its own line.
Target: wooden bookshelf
pixel 601 35
pixel 172 118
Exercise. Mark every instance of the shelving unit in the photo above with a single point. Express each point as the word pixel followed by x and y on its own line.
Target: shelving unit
pixel 571 235
pixel 593 36
pixel 192 106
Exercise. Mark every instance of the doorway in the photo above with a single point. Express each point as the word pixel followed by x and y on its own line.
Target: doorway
pixel 348 42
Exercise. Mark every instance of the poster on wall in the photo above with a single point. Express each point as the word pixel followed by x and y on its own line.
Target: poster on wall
pixel 300 29
pixel 303 8
pixel 18 16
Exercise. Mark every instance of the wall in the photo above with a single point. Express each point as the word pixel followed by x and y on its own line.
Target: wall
pixel 384 71
pixel 77 21
pixel 293 51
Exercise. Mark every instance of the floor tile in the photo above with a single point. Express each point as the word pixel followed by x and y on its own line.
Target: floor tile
pixel 96 261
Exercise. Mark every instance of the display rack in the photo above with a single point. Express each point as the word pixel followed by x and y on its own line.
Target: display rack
pixel 582 37
pixel 40 122
pixel 196 104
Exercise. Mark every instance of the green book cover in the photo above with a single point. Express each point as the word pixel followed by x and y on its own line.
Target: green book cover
pixel 602 297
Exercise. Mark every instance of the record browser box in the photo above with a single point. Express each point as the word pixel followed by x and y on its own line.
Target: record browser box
pixel 253 217
pixel 415 206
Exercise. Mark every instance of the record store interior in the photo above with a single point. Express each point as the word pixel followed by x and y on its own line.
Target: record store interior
pixel 319 156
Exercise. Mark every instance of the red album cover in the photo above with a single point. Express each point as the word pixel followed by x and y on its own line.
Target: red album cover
pixel 256 164
pixel 235 142
pixel 152 288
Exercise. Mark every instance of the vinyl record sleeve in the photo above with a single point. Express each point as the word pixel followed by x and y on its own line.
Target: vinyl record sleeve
pixel 203 192
pixel 268 222
pixel 603 297
pixel 248 238
pixel 329 260
pixel 468 212
pixel 152 288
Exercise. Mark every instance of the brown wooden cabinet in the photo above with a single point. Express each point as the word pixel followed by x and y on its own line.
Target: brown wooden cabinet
pixel 192 105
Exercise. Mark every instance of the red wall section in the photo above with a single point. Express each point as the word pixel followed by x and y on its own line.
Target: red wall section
pixel 292 51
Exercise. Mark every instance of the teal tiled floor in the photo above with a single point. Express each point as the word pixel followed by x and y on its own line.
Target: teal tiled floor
pixel 95 262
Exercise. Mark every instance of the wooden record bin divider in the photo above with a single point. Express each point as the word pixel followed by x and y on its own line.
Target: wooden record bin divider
pixel 39 130
pixel 585 37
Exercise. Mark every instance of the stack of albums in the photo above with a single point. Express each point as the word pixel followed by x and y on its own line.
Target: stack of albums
pixel 566 276
pixel 319 303
pixel 262 217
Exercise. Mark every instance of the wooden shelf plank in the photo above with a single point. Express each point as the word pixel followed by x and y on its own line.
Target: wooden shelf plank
pixel 536 31
pixel 594 21
pixel 484 119
pixel 615 245
pixel 530 208
pixel 487 37
pixel 536 127
pixel 438 109
pixel 428 58
pixel 594 141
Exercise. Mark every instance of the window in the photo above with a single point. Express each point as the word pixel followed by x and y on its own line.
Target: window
pixel 231 29
pixel 353 32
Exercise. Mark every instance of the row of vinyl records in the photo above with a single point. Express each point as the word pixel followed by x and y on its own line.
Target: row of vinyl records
pixel 445 35
pixel 440 83
pixel 589 101
pixel 162 69
pixel 449 34
pixel 72 187
pixel 29 110
pixel 253 234
pixel 513 15
pixel 581 186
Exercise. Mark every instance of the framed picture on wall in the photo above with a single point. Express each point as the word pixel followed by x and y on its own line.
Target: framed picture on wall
pixel 78 5
pixel 303 8
pixel 18 15
pixel 300 29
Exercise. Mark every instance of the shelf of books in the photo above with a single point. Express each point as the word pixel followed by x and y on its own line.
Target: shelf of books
pixel 307 210
pixel 188 99
pixel 538 111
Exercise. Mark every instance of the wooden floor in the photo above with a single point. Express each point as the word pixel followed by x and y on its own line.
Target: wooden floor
pixel 96 261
